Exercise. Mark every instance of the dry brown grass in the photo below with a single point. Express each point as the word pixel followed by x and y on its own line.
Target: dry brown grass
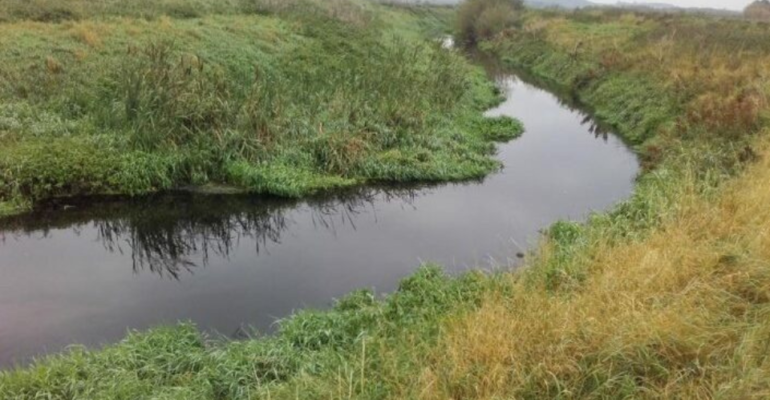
pixel 680 311
pixel 88 33
pixel 684 313
pixel 53 65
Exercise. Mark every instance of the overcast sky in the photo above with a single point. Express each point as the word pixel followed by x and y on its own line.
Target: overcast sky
pixel 729 4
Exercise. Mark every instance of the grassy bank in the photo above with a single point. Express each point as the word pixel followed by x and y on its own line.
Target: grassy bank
pixel 665 297
pixel 286 98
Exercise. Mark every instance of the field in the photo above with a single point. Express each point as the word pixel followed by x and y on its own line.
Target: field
pixel 667 296
pixel 283 98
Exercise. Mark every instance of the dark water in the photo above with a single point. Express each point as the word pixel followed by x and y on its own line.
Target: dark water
pixel 87 274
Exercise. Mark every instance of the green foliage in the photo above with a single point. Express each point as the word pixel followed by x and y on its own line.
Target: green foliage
pixel 332 131
pixel 498 129
pixel 567 240
pixel 282 180
pixel 170 104
pixel 43 169
pixel 57 11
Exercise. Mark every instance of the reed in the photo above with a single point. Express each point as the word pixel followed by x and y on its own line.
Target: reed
pixel 285 98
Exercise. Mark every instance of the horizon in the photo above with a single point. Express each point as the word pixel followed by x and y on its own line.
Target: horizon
pixel 734 5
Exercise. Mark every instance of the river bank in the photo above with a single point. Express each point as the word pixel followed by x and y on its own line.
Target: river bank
pixel 663 297
pixel 252 260
pixel 289 99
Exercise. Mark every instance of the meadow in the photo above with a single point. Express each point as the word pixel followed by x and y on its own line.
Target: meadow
pixel 271 97
pixel 667 296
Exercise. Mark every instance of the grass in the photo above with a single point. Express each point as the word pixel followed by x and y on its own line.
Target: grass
pixel 178 362
pixel 285 98
pixel 680 313
pixel 664 297
pixel 480 20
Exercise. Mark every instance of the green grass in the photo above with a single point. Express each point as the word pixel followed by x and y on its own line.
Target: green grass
pixel 285 98
pixel 181 363
pixel 664 297
pixel 625 68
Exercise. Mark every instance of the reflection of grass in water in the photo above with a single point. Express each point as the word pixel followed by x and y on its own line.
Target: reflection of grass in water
pixel 164 234
pixel 164 238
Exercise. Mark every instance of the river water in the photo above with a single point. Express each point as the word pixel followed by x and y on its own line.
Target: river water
pixel 87 274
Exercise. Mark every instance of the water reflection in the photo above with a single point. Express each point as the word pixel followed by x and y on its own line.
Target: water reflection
pixel 228 261
pixel 501 74
pixel 164 234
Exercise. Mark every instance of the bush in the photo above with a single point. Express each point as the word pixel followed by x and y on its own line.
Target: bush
pixel 479 20
pixel 758 10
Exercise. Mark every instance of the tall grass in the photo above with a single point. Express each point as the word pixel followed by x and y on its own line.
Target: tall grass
pixel 74 10
pixel 306 96
pixel 479 20
pixel 681 313
pixel 665 297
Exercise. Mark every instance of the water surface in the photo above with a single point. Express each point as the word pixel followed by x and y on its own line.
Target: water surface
pixel 85 275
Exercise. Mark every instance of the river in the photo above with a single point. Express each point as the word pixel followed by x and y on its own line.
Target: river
pixel 85 274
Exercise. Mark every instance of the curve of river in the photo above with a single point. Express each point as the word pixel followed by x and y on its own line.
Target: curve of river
pixel 88 274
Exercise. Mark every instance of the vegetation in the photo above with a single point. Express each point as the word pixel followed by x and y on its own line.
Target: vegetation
pixel 479 20
pixel 758 10
pixel 306 359
pixel 668 296
pixel 279 97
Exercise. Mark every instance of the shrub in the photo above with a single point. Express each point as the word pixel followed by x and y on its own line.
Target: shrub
pixel 478 20
pixel 758 10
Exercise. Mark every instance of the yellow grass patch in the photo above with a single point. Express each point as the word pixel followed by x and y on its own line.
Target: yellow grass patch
pixel 684 313
pixel 165 23
pixel 80 54
pixel 89 33
pixel 53 65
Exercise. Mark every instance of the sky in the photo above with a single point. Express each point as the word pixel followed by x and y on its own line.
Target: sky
pixel 728 4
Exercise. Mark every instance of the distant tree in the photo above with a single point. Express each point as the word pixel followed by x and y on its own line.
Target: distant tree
pixel 478 20
pixel 758 10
